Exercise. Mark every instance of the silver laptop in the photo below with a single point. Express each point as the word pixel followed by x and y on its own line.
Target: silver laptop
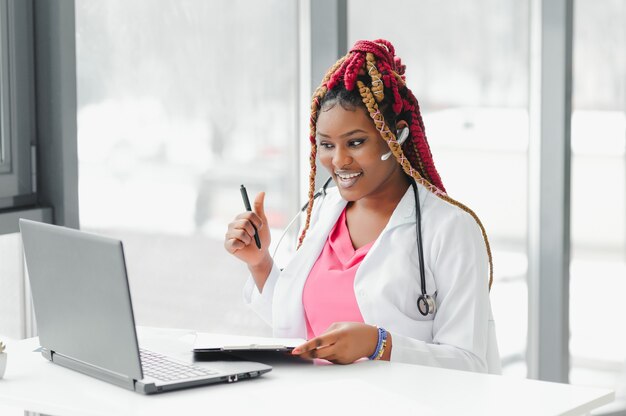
pixel 85 315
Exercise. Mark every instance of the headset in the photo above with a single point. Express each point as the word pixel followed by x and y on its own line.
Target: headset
pixel 426 304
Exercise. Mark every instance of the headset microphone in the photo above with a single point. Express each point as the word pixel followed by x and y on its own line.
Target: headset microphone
pixel 402 136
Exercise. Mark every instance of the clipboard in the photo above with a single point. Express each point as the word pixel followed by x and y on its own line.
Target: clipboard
pixel 206 343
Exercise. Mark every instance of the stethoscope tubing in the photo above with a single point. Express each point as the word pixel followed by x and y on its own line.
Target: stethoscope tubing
pixel 418 232
pixel 427 300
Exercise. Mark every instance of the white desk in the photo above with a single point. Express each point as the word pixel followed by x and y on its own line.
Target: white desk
pixel 370 387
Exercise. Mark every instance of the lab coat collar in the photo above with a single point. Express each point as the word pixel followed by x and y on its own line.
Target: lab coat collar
pixel 293 277
pixel 404 213
pixel 405 210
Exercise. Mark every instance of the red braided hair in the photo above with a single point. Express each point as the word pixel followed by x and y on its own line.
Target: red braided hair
pixel 373 67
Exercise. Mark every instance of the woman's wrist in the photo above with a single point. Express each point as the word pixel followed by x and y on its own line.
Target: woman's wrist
pixel 381 344
pixel 261 271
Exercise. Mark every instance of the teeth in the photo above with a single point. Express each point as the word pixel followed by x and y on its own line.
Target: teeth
pixel 348 176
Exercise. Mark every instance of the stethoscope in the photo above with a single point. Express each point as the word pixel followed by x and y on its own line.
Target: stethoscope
pixel 425 303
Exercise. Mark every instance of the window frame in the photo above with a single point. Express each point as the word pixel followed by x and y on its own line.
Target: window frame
pixel 5 144
pixel 51 63
pixel 40 55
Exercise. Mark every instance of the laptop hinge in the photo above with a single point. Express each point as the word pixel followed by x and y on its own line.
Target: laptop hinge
pixel 89 369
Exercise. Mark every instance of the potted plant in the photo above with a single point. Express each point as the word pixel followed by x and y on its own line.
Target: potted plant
pixel 3 360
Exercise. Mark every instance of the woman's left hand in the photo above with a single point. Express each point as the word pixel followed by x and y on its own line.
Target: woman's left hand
pixel 342 343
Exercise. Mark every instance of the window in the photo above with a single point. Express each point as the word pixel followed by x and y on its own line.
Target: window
pixel 54 96
pixel 598 337
pixel 180 102
pixel 467 64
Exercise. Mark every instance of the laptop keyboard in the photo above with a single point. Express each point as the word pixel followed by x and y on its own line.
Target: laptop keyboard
pixel 162 368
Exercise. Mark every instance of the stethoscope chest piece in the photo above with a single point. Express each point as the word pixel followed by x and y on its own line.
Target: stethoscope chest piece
pixel 426 305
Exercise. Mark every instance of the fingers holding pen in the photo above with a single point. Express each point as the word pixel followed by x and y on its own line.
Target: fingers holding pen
pixel 241 231
pixel 246 225
pixel 251 217
pixel 248 235
pixel 238 238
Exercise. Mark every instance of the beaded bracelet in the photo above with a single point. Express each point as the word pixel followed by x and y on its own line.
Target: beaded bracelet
pixel 382 350
pixel 384 344
pixel 380 345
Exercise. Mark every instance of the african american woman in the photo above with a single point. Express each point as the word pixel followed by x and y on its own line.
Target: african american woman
pixel 388 265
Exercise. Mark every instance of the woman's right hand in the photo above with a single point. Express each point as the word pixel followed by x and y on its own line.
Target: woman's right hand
pixel 239 239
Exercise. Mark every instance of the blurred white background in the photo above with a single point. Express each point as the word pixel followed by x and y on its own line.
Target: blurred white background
pixel 468 63
pixel 181 101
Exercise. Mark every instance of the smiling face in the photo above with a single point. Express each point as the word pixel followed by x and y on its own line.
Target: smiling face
pixel 350 148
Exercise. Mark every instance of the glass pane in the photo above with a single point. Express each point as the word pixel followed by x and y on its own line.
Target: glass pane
pixel 467 64
pixel 179 103
pixel 598 267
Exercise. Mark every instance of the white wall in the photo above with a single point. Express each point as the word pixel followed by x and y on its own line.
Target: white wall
pixel 11 286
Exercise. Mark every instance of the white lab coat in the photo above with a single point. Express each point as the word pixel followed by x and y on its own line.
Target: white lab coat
pixel 461 334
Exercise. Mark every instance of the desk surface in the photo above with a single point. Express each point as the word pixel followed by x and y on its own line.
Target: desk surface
pixel 369 387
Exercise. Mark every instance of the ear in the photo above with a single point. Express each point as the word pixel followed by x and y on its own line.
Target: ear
pixel 401 124
pixel 402 132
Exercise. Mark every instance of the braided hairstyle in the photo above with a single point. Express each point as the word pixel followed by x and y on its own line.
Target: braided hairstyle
pixel 371 75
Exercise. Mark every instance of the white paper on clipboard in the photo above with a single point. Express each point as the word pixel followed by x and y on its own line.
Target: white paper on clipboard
pixel 206 342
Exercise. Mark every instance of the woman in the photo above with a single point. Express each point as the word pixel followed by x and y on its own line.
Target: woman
pixel 354 288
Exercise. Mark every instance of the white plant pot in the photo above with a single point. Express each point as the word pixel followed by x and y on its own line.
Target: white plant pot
pixel 3 363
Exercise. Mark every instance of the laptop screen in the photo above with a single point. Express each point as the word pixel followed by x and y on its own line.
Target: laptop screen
pixel 81 297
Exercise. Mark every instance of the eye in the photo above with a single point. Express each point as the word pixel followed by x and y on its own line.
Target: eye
pixel 356 142
pixel 326 145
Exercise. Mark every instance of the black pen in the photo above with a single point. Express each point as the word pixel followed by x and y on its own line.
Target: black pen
pixel 246 203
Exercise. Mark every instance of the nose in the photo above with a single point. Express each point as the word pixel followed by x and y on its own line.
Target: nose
pixel 341 158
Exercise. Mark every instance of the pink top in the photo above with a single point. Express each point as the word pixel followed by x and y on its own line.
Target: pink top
pixel 328 294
